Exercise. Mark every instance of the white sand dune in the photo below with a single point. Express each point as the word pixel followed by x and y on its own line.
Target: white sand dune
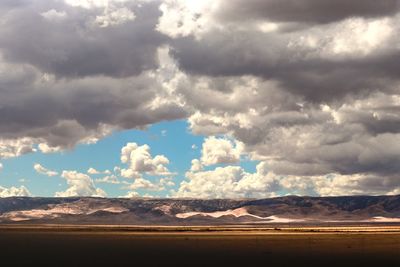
pixel 276 219
pixel 56 211
pixel 384 219
pixel 164 208
pixel 240 212
pixel 216 214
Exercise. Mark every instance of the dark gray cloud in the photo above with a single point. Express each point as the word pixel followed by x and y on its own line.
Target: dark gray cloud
pixel 74 77
pixel 65 111
pixel 298 70
pixel 71 43
pixel 308 11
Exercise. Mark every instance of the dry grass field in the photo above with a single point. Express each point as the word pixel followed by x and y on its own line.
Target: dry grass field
pixel 198 246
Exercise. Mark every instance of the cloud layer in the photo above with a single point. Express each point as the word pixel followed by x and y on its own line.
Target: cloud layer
pixel 308 11
pixel 308 88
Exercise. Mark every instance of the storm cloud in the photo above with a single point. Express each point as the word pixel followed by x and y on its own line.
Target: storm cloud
pixel 308 11
pixel 72 41
pixel 68 77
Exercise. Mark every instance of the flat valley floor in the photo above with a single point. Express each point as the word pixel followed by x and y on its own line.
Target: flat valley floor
pixel 198 246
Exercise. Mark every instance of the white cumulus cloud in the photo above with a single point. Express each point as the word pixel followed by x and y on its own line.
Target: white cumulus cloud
pixel 109 179
pixel 92 170
pixel 14 191
pixel 229 182
pixel 139 161
pixel 15 147
pixel 220 150
pixel 79 184
pixel 42 170
pixel 145 184
pixel 196 166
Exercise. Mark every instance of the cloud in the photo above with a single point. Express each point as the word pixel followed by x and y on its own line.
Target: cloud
pixel 315 64
pixel 139 161
pixel 15 147
pixel 42 170
pixel 54 15
pixel 147 185
pixel 115 16
pixel 235 182
pixel 220 150
pixel 21 191
pixel 340 185
pixel 101 105
pixel 94 171
pixel 305 143
pixel 196 165
pixel 80 81
pixel 228 182
pixel 102 50
pixel 167 182
pixel 45 148
pixel 307 11
pixel 109 179
pixel 79 184
pixel 131 194
pixel 1 166
pixel 356 137
pixel 141 183
pixel 183 18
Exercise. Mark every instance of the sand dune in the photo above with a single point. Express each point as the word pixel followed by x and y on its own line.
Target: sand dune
pixel 240 212
pixel 56 211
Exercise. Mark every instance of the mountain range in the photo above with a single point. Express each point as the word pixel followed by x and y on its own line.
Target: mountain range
pixel 151 211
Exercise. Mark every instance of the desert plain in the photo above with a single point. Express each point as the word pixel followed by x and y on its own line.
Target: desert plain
pixel 104 245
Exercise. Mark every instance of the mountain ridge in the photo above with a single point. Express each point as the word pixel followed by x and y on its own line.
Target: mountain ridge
pixel 182 211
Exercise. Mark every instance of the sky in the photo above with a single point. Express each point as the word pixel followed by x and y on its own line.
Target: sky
pixel 199 99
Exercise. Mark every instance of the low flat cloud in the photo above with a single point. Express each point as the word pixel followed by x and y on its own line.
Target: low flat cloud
pixel 42 170
pixel 13 191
